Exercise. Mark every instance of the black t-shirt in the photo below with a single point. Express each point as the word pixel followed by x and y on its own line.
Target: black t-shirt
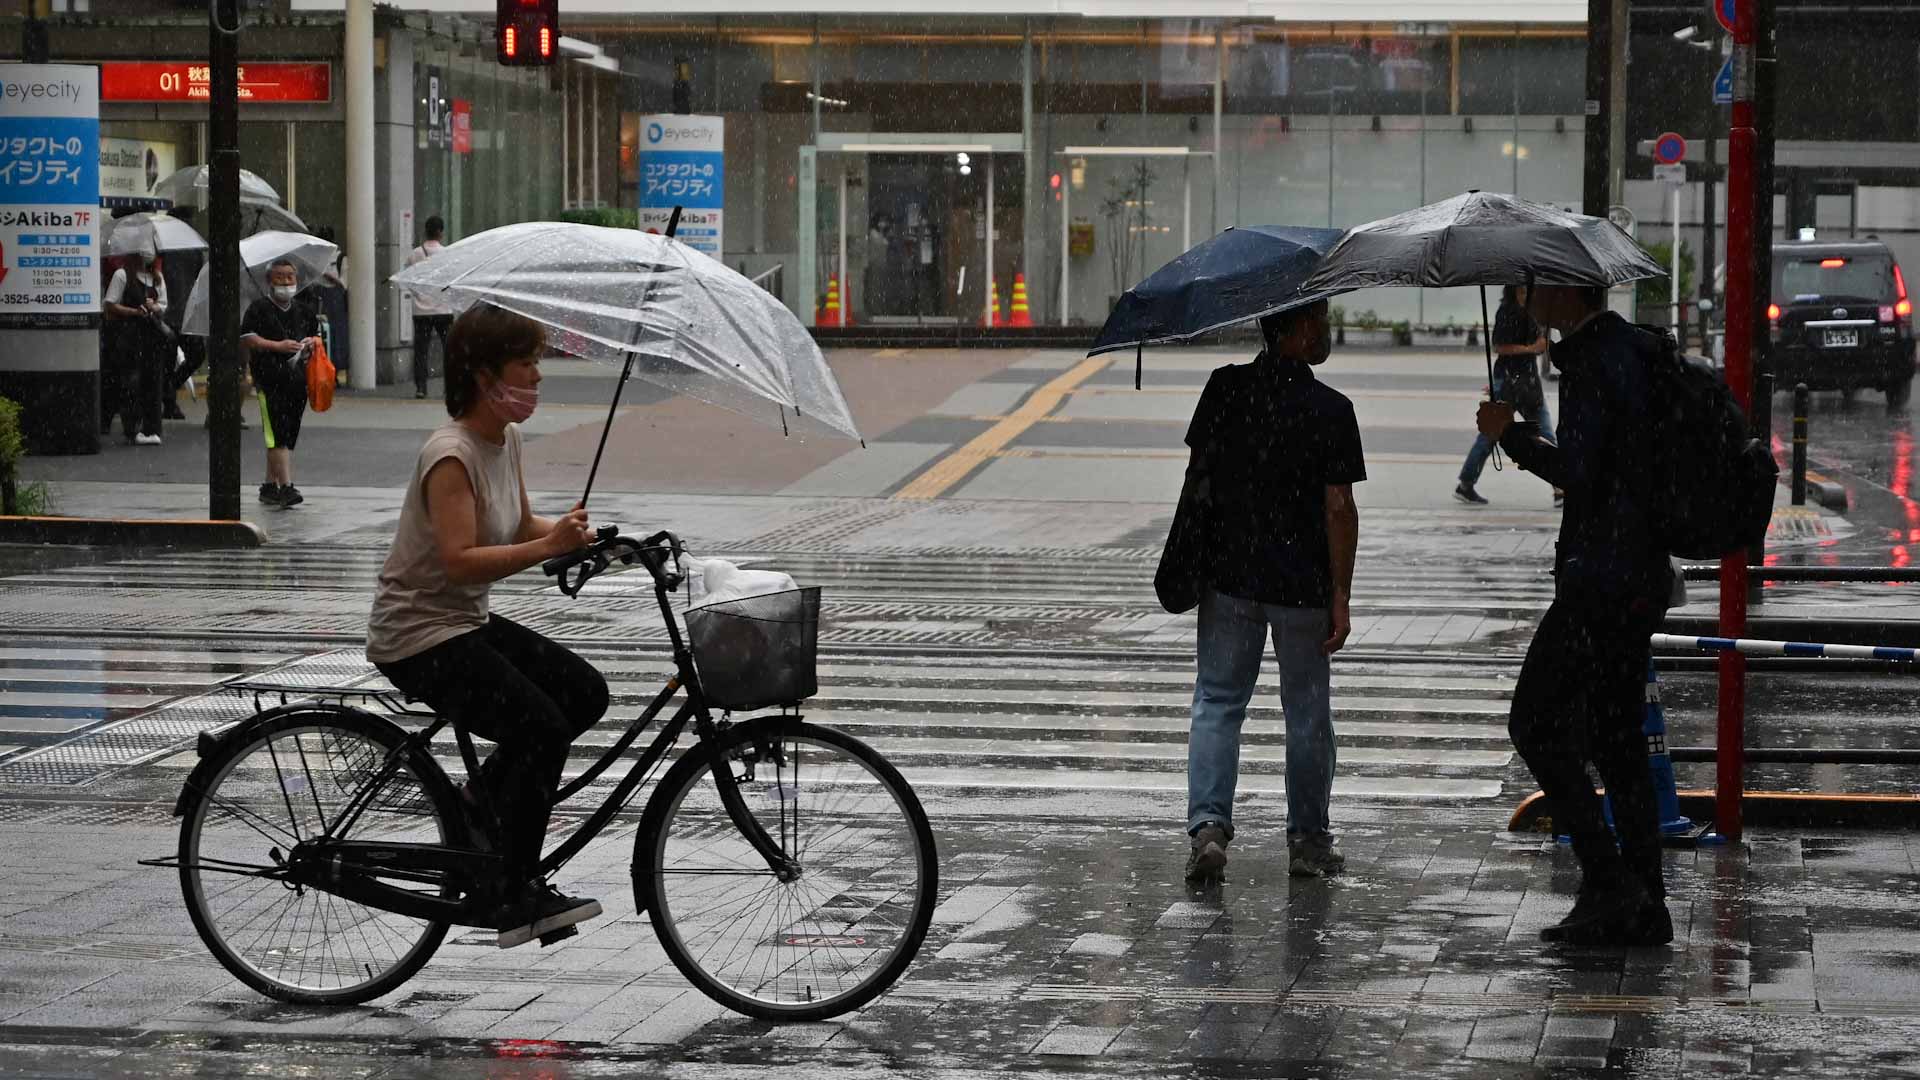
pixel 295 322
pixel 1512 325
pixel 1274 438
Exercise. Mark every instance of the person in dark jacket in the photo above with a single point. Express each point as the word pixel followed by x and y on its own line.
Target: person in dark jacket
pixel 1581 693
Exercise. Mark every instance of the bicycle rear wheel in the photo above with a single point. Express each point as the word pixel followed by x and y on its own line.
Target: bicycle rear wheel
pixel 272 787
pixel 825 942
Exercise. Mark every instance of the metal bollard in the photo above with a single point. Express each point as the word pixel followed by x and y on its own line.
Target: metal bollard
pixel 1800 397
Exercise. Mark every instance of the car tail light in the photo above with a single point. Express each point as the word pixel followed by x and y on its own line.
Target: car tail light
pixel 1773 313
pixel 1902 306
pixel 1833 264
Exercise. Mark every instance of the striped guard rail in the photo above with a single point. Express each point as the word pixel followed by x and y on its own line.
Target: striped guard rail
pixel 1754 647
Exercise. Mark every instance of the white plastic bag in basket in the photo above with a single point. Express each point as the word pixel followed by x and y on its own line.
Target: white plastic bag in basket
pixel 716 581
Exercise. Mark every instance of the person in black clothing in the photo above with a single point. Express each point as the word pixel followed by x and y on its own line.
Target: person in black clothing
pixel 276 331
pixel 1278 452
pixel 1516 340
pixel 181 269
pixel 1581 692
pixel 140 343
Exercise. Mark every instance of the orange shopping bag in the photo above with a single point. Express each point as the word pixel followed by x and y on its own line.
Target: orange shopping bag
pixel 320 376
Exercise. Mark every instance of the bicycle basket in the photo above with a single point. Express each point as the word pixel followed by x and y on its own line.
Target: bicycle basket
pixel 758 650
pixel 357 762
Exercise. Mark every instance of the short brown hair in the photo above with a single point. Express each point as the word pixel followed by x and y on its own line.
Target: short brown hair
pixel 484 339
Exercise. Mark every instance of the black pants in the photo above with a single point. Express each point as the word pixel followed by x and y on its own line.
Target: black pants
pixel 141 380
pixel 1581 698
pixel 425 327
pixel 531 697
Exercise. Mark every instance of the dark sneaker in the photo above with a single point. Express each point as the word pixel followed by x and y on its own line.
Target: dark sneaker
pixel 270 494
pixel 1314 856
pixel 1208 857
pixel 1604 915
pixel 171 411
pixel 542 911
pixel 1465 493
pixel 290 496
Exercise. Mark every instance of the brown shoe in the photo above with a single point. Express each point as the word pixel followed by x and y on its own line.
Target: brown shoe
pixel 1208 858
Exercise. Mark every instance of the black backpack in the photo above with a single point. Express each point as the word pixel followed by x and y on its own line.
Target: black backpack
pixel 1712 481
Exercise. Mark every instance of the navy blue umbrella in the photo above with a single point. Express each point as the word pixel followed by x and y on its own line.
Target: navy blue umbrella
pixel 1241 274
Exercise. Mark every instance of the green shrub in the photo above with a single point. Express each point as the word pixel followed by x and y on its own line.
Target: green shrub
pixel 32 499
pixel 610 216
pixel 1657 293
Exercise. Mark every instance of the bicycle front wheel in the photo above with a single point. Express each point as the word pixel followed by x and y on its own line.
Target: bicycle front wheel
pixel 277 784
pixel 832 937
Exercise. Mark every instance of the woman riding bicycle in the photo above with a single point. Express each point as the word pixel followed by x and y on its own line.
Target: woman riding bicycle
pixel 466 523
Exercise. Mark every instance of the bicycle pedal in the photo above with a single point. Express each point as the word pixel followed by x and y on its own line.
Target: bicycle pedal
pixel 561 934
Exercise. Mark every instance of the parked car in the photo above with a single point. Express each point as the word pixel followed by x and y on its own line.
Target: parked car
pixel 1840 318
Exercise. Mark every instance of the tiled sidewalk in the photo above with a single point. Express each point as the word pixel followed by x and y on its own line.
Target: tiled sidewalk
pixel 1073 945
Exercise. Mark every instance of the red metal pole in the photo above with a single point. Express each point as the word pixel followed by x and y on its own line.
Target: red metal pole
pixel 1741 300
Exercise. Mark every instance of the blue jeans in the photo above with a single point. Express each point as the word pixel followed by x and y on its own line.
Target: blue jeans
pixel 1233 634
pixel 1534 410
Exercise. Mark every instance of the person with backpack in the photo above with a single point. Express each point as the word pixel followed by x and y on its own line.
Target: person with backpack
pixel 1581 693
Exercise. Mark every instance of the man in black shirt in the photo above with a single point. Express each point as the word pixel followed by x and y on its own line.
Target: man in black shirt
pixel 1277 453
pixel 277 330
pixel 1516 340
pixel 1581 693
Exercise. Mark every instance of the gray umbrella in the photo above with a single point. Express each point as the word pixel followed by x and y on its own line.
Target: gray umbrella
pixel 1483 238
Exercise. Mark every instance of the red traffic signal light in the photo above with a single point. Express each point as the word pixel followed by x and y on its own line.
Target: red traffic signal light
pixel 527 32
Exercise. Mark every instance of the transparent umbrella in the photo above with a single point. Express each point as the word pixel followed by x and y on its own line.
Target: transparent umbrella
pixel 151 234
pixel 310 256
pixel 189 185
pixel 676 317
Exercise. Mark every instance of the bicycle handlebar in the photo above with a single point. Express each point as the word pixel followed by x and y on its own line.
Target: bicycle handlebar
pixel 608 545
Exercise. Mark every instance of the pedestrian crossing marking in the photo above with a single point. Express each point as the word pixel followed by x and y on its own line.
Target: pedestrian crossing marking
pixel 942 475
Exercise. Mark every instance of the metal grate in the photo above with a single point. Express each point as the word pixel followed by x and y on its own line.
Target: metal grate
pixel 151 734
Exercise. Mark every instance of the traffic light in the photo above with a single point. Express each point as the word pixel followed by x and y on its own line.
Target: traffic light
pixel 527 32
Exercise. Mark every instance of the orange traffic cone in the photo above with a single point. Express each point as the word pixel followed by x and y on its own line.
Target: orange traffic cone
pixel 1019 315
pixel 993 292
pixel 830 314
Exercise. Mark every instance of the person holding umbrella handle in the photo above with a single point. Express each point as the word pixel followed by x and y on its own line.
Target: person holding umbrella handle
pixel 1581 692
pixel 466 523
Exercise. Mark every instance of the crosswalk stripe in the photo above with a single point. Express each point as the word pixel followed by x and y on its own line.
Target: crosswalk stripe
pixel 1032 724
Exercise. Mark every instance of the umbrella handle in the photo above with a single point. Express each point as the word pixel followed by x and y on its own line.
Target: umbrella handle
pixel 673 225
pixel 1493 391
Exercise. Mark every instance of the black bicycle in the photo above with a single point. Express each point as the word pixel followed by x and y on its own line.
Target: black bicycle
pixel 788 870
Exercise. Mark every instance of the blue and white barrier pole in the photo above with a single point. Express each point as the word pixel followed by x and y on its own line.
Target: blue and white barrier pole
pixel 1756 647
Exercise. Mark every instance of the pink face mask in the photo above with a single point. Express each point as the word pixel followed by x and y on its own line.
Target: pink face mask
pixel 512 403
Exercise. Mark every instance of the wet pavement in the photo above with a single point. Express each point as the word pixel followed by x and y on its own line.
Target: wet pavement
pixel 1002 645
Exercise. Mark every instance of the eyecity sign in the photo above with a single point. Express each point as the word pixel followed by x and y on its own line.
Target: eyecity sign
pixel 49 253
pixel 683 163
pixel 49 180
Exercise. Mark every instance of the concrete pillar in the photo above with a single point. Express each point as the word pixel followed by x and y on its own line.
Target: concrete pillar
pixel 360 222
pixel 397 220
